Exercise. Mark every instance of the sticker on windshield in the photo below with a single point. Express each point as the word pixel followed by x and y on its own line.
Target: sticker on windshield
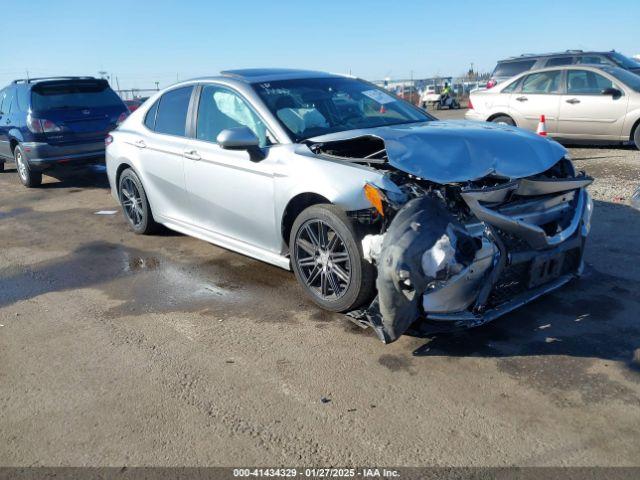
pixel 379 96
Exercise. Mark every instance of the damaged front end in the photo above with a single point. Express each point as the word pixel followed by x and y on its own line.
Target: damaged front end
pixel 460 254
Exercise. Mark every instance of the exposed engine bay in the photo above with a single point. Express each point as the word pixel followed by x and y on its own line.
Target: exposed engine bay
pixel 461 253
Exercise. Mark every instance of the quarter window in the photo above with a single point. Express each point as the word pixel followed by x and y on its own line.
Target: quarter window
pixel 171 118
pixel 23 99
pixel 150 118
pixel 584 82
pixel 543 82
pixel 220 109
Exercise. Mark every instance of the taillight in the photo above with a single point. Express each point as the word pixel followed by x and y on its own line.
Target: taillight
pixel 469 104
pixel 123 116
pixel 49 127
pixel 491 83
pixel 34 125
pixel 108 140
pixel 39 125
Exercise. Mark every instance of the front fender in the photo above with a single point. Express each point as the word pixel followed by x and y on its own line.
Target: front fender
pixel 339 181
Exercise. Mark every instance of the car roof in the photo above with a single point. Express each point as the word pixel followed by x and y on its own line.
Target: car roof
pixel 253 75
pixel 580 66
pixel 566 53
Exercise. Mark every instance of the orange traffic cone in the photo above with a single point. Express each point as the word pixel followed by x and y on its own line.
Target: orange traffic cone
pixel 542 127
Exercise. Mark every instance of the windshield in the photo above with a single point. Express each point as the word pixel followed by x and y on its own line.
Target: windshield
pixel 630 79
pixel 624 62
pixel 55 96
pixel 312 107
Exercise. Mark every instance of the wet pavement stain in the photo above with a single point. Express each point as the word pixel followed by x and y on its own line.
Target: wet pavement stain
pixel 557 376
pixel 14 212
pixel 325 316
pixel 586 325
pixel 396 363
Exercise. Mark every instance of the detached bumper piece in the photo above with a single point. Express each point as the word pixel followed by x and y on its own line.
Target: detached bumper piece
pixel 524 239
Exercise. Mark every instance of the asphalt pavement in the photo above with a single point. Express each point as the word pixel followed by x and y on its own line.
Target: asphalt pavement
pixel 117 349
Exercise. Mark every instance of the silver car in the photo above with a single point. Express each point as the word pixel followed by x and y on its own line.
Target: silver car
pixel 379 209
pixel 579 102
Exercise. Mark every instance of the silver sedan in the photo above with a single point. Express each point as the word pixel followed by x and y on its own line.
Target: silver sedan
pixel 579 102
pixel 379 209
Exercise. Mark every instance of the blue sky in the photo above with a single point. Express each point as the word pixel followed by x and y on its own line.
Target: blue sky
pixel 142 41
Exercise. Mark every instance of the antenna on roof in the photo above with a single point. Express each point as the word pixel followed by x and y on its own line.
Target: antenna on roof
pixel 27 70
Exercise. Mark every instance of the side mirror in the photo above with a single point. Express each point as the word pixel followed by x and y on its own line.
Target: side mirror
pixel 241 138
pixel 614 92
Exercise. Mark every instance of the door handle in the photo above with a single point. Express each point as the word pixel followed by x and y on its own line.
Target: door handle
pixel 522 99
pixel 192 155
pixel 573 101
pixel 140 144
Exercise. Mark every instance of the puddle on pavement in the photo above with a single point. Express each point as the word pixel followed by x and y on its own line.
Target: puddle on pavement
pixel 149 283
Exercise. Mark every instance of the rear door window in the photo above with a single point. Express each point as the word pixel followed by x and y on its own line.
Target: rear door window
pixel 509 69
pixel 558 61
pixel 585 82
pixel 511 87
pixel 543 82
pixel 73 95
pixel 592 59
pixel 171 118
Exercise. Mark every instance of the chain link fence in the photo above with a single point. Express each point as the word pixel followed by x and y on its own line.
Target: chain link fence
pixel 136 93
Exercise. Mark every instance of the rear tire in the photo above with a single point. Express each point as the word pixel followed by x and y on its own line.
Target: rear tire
pixel 28 177
pixel 504 120
pixel 326 256
pixel 135 205
pixel 1 167
pixel 636 136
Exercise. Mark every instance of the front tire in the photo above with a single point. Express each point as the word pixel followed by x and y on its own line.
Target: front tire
pixel 327 259
pixel 135 205
pixel 636 136
pixel 28 177
pixel 504 120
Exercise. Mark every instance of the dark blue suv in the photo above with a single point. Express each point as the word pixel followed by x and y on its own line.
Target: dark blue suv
pixel 48 122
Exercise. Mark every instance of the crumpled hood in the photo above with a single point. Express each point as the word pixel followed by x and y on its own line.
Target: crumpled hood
pixel 458 151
